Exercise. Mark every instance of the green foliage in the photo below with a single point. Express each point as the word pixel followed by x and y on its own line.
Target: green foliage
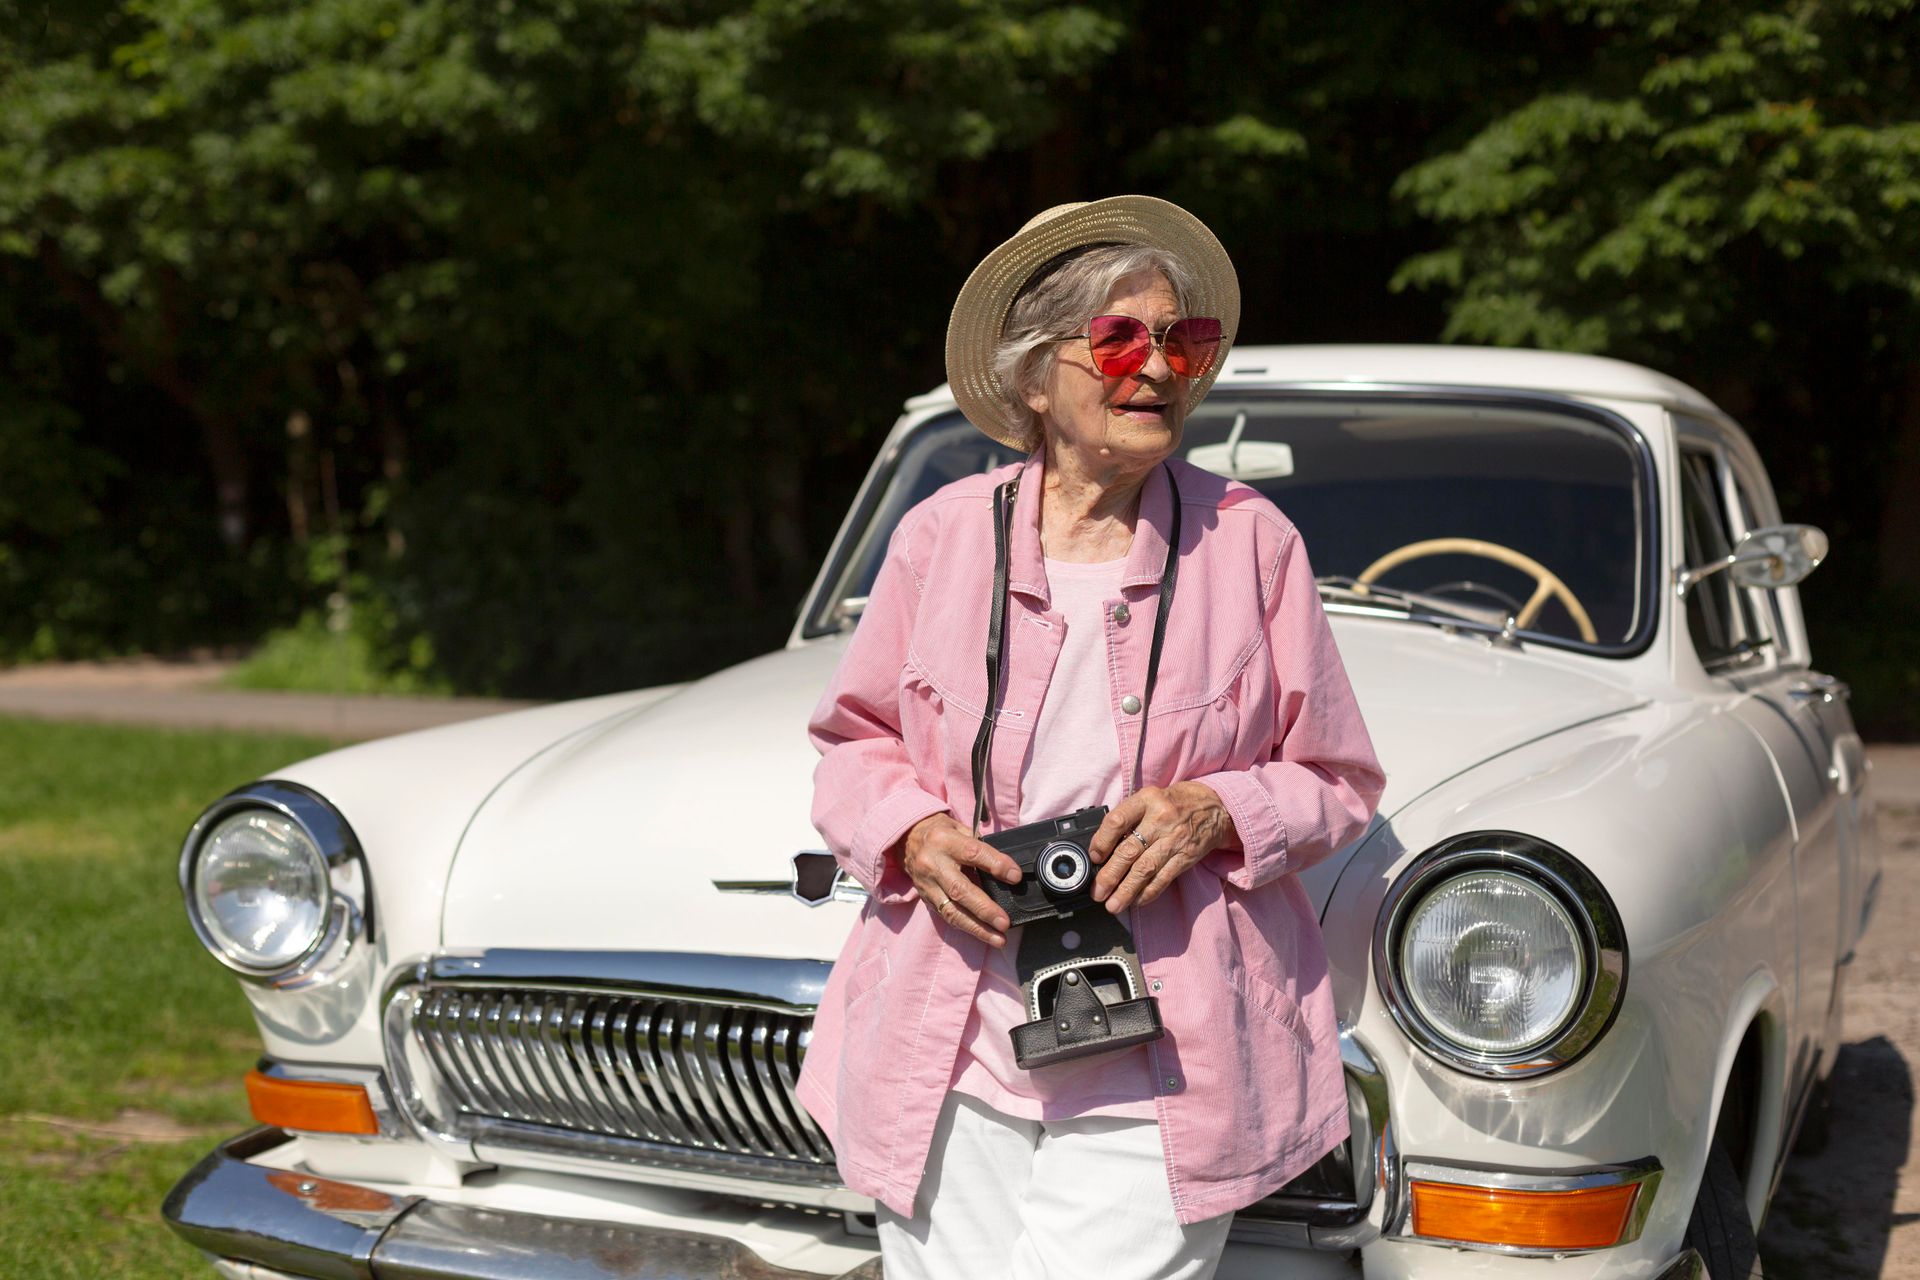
pixel 344 239
pixel 357 655
pixel 1710 144
pixel 84 1205
pixel 559 331
pixel 107 1001
pixel 106 998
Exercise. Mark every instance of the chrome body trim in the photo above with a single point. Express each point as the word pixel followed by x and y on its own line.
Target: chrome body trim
pixel 785 986
pixel 392 1121
pixel 1644 1173
pixel 293 1222
pixel 1579 891
pixel 349 912
pixel 671 1171
pixel 816 878
pixel 324 1228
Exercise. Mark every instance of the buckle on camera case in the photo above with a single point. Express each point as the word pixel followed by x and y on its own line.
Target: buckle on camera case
pixel 1087 1003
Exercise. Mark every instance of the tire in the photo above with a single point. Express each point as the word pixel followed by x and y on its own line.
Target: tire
pixel 1719 1227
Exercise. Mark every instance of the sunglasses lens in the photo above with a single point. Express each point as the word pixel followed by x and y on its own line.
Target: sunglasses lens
pixel 1120 344
pixel 1192 345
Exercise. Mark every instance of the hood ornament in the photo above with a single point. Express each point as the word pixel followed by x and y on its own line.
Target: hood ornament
pixel 816 878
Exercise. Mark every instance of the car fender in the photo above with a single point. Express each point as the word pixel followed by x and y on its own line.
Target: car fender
pixel 1674 808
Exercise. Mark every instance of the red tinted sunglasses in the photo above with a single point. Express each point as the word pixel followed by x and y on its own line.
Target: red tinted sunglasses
pixel 1121 345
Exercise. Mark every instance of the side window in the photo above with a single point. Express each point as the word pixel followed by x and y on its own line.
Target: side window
pixel 1750 514
pixel 1720 617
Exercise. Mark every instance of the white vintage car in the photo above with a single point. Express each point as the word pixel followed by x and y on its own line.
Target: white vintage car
pixel 534 990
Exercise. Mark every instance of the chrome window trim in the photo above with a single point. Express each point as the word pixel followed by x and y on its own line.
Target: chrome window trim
pixel 350 917
pixel 1649 581
pixel 1579 891
pixel 1644 1173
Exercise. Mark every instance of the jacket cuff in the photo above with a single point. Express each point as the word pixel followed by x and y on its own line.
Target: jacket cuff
pixel 878 832
pixel 1256 819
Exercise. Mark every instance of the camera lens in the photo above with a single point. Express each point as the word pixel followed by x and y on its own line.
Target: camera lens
pixel 1063 868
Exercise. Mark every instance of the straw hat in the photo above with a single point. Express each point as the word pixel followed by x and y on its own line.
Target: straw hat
pixel 980 312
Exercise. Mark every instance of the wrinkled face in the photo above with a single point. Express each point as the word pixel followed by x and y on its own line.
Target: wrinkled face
pixel 1130 423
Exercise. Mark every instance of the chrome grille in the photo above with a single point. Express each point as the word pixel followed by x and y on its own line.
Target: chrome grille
pixel 705 1077
pixel 685 1063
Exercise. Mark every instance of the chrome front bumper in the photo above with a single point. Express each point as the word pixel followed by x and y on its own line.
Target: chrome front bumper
pixel 265 1223
pixel 296 1224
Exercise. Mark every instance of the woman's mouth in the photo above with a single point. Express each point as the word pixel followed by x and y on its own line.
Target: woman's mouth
pixel 1146 412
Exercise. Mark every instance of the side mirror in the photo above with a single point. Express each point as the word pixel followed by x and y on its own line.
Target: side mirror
pixel 1780 555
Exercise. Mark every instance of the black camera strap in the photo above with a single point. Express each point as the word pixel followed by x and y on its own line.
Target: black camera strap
pixel 1003 500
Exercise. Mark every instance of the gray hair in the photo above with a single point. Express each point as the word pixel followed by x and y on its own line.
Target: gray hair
pixel 1062 300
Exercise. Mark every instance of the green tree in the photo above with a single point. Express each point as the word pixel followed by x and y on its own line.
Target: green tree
pixel 1730 191
pixel 342 235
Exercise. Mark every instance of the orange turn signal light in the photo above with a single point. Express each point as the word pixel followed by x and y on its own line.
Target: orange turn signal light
pixel 317 1106
pixel 1587 1218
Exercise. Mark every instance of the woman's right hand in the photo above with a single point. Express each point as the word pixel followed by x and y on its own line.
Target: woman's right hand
pixel 934 853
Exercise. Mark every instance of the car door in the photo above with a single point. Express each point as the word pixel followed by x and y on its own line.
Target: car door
pixel 1820 712
pixel 1742 640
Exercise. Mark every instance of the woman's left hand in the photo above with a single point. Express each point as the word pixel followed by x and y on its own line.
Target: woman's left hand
pixel 1177 826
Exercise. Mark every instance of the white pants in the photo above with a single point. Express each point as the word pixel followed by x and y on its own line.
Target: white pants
pixel 1011 1199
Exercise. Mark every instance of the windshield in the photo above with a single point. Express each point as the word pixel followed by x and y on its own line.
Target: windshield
pixel 1514 492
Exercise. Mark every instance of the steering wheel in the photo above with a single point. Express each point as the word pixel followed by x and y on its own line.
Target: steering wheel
pixel 1547 583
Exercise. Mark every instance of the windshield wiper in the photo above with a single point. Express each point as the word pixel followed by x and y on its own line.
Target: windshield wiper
pixel 1417 607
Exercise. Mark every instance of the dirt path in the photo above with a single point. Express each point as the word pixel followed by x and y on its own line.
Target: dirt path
pixel 187 694
pixel 1851 1211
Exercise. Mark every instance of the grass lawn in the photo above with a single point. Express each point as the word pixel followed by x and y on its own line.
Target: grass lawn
pixel 122 1043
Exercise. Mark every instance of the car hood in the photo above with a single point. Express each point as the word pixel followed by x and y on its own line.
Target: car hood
pixel 612 838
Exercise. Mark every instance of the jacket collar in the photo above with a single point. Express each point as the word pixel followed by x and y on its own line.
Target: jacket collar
pixel 1146 561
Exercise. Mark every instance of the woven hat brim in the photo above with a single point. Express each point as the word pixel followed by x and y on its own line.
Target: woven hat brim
pixel 980 312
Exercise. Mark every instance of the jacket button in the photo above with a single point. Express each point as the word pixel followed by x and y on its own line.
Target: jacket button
pixel 1156 984
pixel 1173 1082
pixel 1220 704
pixel 1130 705
pixel 1121 613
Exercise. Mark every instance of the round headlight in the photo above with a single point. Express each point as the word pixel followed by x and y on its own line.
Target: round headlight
pixel 1500 954
pixel 1493 962
pixel 261 890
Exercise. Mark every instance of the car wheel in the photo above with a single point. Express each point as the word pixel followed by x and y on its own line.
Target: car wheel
pixel 1719 1228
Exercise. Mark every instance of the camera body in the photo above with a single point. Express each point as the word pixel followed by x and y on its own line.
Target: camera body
pixel 1056 872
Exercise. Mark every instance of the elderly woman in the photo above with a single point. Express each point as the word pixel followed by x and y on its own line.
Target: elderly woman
pixel 1195 689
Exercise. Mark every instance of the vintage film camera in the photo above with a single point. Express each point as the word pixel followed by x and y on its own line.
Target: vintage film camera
pixel 1056 875
pixel 1077 966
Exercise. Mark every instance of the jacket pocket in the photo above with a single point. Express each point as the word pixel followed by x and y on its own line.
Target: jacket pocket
pixel 868 976
pixel 1279 1006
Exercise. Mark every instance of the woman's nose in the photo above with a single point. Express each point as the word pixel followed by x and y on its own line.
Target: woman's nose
pixel 1156 369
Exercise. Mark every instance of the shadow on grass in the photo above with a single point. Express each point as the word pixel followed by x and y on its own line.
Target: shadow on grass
pixel 1832 1217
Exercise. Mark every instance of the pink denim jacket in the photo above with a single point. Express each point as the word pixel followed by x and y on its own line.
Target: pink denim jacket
pixel 1252 700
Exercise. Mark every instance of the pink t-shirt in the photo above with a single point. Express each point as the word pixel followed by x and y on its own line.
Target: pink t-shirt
pixel 1074 762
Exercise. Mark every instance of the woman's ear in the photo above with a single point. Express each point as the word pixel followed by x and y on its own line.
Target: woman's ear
pixel 1037 401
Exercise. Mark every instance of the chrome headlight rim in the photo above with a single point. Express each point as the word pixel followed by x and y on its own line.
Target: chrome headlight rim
pixel 1578 891
pixel 349 913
